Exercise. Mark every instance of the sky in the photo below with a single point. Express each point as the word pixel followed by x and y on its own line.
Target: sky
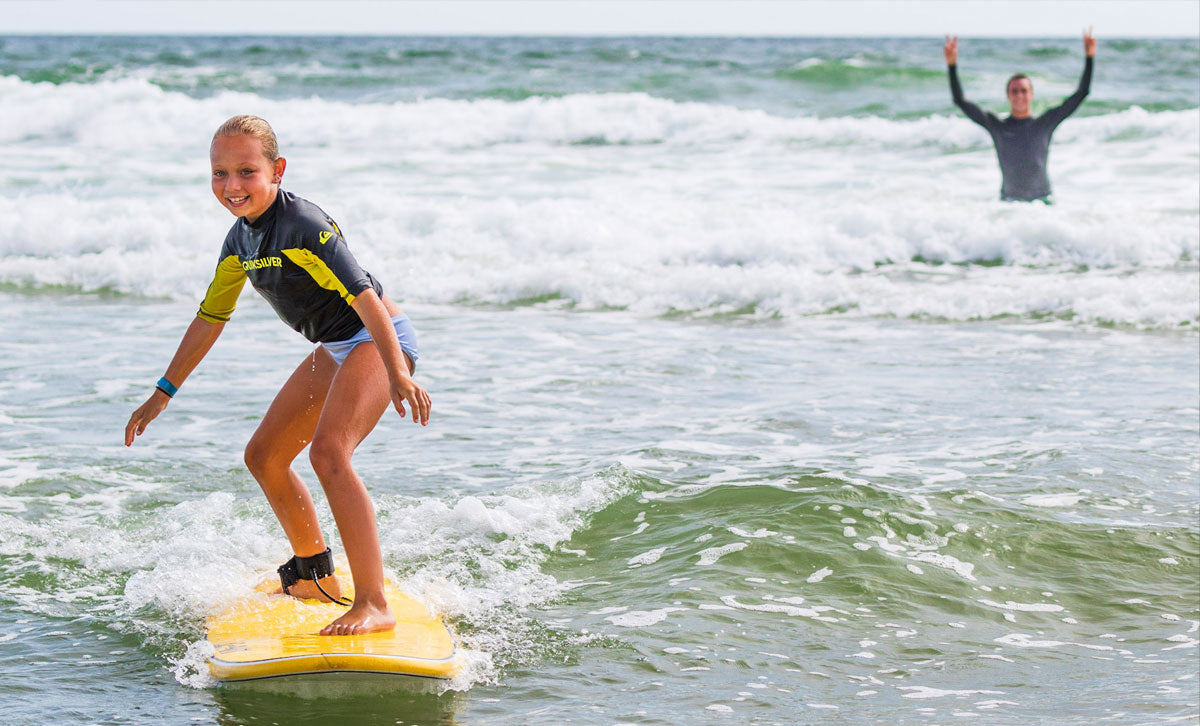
pixel 973 18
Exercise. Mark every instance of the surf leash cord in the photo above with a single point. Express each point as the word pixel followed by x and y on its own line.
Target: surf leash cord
pixel 310 568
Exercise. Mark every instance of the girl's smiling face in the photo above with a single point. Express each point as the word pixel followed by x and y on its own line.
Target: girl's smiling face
pixel 244 180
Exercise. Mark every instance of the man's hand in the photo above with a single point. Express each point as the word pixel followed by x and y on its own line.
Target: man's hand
pixel 1089 43
pixel 951 49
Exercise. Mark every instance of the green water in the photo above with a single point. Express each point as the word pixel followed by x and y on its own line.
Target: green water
pixel 741 545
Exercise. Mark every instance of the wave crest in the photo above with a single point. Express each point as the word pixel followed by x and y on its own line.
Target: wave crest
pixel 103 116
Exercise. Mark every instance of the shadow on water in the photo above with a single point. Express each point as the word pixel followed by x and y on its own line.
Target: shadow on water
pixel 350 698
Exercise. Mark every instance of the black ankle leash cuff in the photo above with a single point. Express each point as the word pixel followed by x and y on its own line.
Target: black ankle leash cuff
pixel 309 568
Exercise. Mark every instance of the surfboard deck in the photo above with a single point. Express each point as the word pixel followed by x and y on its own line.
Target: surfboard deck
pixel 273 635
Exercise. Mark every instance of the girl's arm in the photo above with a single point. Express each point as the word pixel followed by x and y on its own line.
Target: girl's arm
pixel 403 388
pixel 196 343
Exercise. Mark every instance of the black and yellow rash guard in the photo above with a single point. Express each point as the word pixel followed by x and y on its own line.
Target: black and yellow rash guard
pixel 296 257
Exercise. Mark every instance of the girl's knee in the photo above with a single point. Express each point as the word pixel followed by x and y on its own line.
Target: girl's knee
pixel 329 458
pixel 257 457
pixel 262 455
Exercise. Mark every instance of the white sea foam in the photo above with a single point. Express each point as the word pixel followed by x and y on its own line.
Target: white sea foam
pixel 756 534
pixel 1025 607
pixel 816 612
pixel 691 206
pixel 597 256
pixel 1025 640
pixel 647 558
pixel 100 114
pixel 485 554
pixel 190 558
pixel 920 552
pixel 710 555
pixel 923 692
pixel 641 618
pixel 819 575
pixel 1052 500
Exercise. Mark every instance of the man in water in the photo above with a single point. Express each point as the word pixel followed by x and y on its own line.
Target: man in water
pixel 1022 141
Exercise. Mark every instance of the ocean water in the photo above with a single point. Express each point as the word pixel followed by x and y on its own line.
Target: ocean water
pixel 752 404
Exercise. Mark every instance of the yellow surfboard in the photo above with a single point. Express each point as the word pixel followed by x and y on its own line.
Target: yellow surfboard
pixel 272 636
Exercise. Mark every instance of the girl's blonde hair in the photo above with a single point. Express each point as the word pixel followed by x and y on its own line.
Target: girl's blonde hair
pixel 251 126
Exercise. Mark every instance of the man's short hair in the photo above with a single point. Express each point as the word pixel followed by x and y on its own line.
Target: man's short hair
pixel 1017 77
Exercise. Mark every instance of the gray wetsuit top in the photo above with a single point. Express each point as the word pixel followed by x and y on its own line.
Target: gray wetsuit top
pixel 1022 144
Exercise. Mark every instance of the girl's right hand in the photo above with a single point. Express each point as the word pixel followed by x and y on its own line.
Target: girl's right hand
pixel 147 412
pixel 417 397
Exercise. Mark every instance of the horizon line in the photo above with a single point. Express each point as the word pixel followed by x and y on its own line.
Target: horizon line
pixel 368 34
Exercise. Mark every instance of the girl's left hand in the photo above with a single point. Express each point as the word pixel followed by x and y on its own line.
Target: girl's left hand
pixel 417 397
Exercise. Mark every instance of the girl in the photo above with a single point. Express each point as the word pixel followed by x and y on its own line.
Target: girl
pixel 296 257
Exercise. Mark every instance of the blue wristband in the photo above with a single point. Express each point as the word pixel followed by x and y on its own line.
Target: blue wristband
pixel 167 387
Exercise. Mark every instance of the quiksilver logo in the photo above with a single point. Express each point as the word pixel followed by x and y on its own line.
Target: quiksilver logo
pixel 262 262
pixel 324 236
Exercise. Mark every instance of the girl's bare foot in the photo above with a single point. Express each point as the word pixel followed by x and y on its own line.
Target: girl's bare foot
pixel 362 617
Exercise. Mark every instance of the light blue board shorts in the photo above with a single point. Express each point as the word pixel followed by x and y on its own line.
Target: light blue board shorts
pixel 406 334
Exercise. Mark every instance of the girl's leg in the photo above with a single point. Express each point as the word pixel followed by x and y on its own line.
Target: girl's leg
pixel 285 430
pixel 358 396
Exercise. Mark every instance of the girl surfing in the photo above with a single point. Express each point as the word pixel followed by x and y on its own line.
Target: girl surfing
pixel 295 256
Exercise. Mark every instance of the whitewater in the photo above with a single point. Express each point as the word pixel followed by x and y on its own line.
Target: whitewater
pixel 623 200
